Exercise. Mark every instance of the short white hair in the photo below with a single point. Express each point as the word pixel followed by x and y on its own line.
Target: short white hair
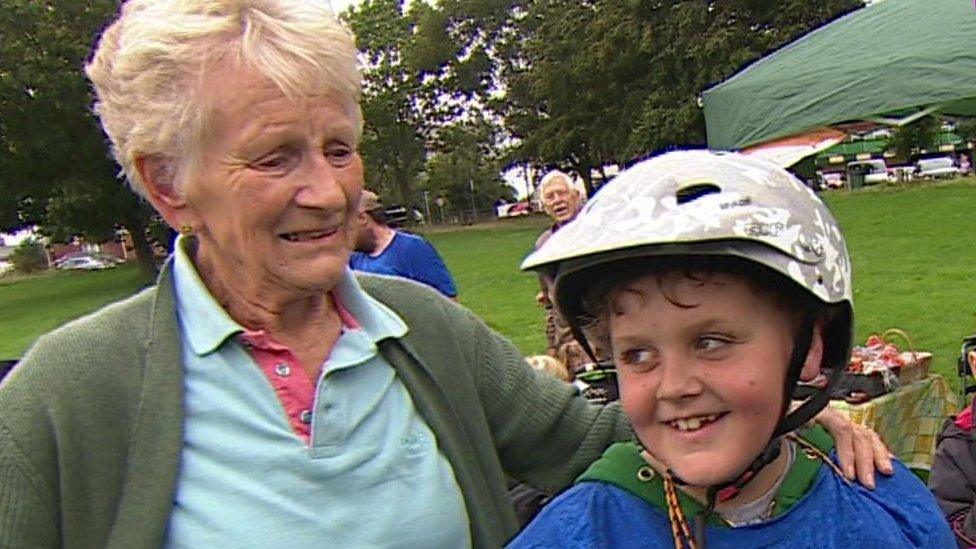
pixel 149 63
pixel 558 176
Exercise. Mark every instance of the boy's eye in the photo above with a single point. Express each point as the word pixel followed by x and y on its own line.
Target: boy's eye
pixel 638 359
pixel 712 343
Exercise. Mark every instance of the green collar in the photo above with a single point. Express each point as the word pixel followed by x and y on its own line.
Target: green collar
pixel 622 466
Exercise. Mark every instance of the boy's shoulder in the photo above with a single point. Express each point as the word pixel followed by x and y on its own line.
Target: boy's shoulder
pixel 617 499
pixel 899 510
pixel 622 466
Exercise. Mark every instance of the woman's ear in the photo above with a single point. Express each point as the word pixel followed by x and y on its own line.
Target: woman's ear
pixel 811 366
pixel 159 177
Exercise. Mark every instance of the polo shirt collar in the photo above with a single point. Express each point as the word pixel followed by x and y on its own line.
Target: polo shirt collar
pixel 375 319
pixel 206 325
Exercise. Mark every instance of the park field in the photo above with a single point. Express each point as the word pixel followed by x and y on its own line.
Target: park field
pixel 913 248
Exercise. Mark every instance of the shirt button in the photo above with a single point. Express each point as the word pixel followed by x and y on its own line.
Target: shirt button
pixel 305 417
pixel 282 369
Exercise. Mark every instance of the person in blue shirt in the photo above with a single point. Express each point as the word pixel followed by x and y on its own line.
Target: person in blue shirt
pixel 718 281
pixel 385 250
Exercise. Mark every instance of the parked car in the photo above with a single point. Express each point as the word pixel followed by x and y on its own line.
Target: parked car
pixel 935 168
pixel 85 263
pixel 516 209
pixel 879 133
pixel 874 171
pixel 831 180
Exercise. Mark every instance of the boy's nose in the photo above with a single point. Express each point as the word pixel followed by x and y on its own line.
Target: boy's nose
pixel 679 379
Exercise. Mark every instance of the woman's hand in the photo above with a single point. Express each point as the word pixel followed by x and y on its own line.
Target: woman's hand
pixel 859 449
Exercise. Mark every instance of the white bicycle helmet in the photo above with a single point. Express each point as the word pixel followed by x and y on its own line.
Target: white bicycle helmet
pixel 703 203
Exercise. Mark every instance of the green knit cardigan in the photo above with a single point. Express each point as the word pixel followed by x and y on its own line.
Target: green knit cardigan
pixel 91 419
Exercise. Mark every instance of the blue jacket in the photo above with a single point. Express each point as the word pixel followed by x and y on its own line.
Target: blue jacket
pixel 826 512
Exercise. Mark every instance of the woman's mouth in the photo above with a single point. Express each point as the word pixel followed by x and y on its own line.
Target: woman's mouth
pixel 305 236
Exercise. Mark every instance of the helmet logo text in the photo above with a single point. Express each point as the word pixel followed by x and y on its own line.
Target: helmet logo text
pixel 763 228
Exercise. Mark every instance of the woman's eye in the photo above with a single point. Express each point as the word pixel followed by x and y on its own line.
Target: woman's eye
pixel 278 160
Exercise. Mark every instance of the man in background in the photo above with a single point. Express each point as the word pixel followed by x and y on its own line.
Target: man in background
pixel 561 200
pixel 384 250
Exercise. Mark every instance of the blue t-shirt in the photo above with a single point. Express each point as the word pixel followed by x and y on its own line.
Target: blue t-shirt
pixel 408 256
pixel 900 512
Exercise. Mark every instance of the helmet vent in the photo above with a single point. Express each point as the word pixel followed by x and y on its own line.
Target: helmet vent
pixel 696 191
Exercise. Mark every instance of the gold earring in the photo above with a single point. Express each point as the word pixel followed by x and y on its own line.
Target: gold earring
pixel 186 229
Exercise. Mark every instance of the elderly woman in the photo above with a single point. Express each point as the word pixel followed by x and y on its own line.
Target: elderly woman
pixel 259 394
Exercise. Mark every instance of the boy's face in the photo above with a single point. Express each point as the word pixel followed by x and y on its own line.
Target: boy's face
pixel 701 365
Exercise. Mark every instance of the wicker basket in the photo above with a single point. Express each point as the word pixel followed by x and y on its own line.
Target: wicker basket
pixel 856 386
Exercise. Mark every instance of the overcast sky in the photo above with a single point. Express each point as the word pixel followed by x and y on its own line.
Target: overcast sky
pixel 338 6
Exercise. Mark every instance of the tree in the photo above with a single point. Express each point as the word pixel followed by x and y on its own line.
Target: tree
pixel 595 82
pixel 572 93
pixel 464 169
pixel 915 135
pixel 55 169
pixel 966 129
pixel 393 144
pixel 29 257
pixel 698 44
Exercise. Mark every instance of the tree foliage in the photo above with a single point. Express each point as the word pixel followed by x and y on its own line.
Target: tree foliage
pixel 915 135
pixel 55 168
pixel 28 257
pixel 463 169
pixel 392 145
pixel 455 92
pixel 966 129
pixel 584 84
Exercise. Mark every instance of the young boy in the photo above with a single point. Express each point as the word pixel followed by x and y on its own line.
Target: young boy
pixel 718 281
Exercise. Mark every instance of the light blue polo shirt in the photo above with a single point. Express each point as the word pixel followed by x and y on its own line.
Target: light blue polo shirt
pixel 372 476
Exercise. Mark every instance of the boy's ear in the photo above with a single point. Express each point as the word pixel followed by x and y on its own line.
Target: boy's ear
pixel 811 366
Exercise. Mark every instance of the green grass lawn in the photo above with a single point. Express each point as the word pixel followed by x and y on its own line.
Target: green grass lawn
pixel 30 307
pixel 914 254
pixel 484 261
pixel 913 249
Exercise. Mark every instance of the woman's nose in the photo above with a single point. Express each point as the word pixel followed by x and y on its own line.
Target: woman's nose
pixel 319 186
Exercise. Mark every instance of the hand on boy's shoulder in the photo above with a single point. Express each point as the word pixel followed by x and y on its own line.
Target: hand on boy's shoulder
pixel 860 450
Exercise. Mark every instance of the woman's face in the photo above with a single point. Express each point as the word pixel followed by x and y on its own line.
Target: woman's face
pixel 274 195
pixel 701 366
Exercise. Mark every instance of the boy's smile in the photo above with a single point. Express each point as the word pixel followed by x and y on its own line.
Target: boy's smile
pixel 702 364
pixel 693 424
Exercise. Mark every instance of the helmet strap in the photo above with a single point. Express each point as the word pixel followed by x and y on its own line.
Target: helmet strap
pixel 581 339
pixel 799 417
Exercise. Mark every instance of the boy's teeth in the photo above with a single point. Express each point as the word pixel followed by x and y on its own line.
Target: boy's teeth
pixel 693 423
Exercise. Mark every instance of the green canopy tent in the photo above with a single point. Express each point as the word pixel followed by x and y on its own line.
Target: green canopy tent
pixel 889 62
